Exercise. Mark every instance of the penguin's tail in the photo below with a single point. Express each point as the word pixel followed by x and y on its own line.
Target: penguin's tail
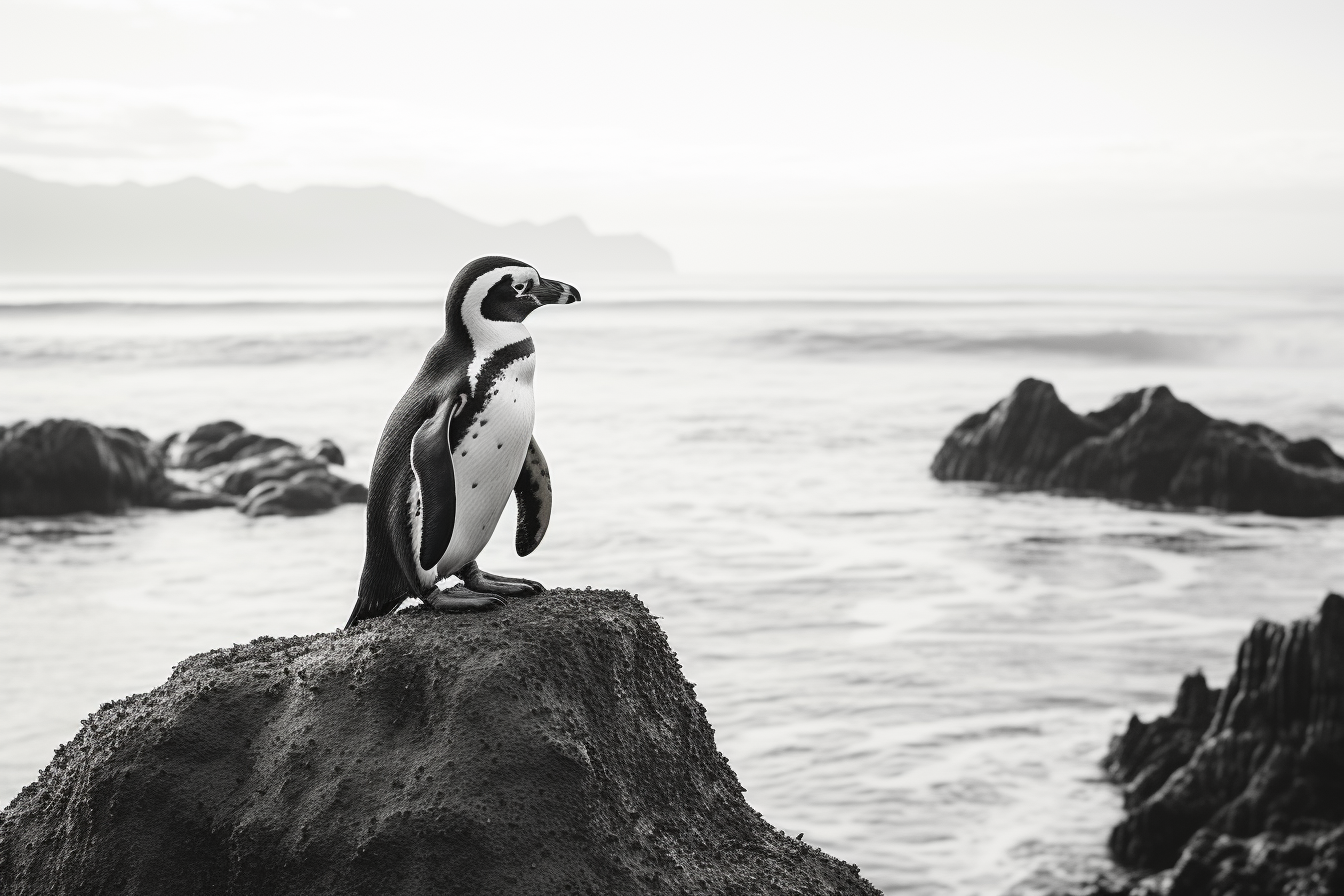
pixel 367 609
pixel 354 616
pixel 374 601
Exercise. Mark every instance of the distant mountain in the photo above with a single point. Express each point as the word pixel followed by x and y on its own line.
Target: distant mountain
pixel 195 226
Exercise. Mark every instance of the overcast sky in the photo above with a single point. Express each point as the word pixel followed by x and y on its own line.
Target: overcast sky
pixel 940 137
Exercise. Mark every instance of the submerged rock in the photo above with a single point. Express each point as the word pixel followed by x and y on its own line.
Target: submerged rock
pixel 1148 447
pixel 1241 790
pixel 264 475
pixel 70 466
pixel 551 747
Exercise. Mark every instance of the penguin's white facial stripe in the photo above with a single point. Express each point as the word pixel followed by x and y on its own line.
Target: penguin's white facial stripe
pixel 488 336
pixel 520 276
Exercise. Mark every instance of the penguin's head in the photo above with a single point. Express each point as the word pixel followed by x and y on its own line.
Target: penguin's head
pixel 502 290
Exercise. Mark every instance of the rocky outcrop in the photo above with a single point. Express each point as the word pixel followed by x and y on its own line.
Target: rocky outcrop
pixel 1147 447
pixel 1241 790
pixel 69 466
pixel 1145 756
pixel 264 475
pixel 551 747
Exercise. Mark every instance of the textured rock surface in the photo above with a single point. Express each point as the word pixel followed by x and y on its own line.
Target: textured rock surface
pixel 1148 446
pixel 264 474
pixel 69 466
pixel 1144 757
pixel 551 747
pixel 1242 791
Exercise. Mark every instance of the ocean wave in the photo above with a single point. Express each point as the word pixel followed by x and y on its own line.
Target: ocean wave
pixel 250 305
pixel 229 350
pixel 1184 541
pixel 20 533
pixel 1115 345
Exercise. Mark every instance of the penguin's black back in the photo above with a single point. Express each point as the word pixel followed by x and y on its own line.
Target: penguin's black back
pixel 389 574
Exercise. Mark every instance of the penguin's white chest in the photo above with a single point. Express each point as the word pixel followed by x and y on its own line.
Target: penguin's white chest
pixel 487 462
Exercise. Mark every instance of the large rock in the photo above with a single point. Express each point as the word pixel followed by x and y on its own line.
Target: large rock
pixel 70 466
pixel 1148 447
pixel 1016 442
pixel 551 747
pixel 265 475
pixel 1241 791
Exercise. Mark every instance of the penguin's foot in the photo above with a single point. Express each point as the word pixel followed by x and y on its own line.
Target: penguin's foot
pixel 460 600
pixel 479 580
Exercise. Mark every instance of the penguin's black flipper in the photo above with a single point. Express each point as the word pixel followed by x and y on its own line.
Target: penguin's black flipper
pixel 532 492
pixel 432 465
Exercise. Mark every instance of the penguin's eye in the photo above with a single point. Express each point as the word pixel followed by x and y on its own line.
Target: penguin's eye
pixel 521 288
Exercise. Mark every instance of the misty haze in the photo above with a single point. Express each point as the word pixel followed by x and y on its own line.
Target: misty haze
pixel 194 226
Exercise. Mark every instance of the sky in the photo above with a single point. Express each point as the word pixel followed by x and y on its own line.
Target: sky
pixel 947 138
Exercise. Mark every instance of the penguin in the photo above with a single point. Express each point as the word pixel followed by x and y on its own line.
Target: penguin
pixel 455 446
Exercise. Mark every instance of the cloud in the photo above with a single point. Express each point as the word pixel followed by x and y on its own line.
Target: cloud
pixel 190 10
pixel 92 122
pixel 207 11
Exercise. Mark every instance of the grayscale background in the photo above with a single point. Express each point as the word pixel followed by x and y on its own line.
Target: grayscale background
pixel 811 238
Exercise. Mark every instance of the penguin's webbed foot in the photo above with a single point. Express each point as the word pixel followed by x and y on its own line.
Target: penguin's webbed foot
pixel 478 580
pixel 460 600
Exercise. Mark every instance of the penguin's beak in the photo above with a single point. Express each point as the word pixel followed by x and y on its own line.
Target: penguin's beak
pixel 553 292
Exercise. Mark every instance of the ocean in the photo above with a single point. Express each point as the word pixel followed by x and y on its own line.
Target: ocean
pixel 919 677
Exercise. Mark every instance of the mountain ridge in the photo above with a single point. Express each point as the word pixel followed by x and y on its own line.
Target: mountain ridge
pixel 197 226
